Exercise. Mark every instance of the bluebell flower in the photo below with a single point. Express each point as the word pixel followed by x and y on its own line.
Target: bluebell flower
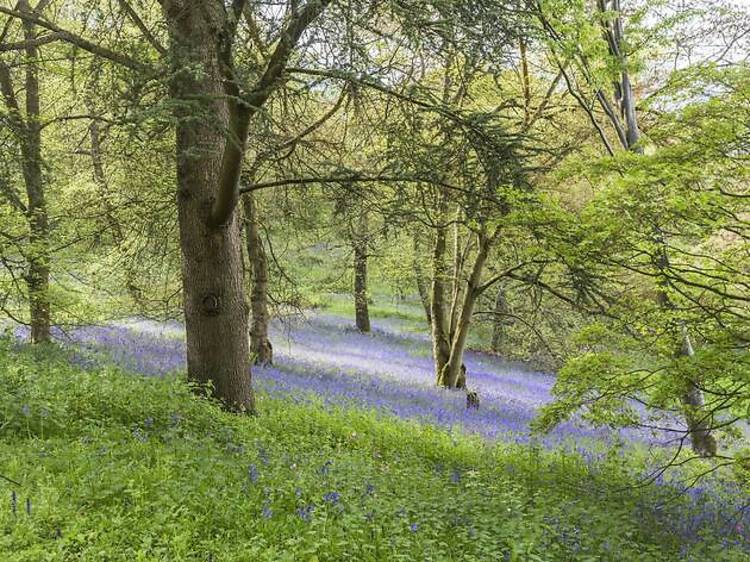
pixel 267 512
pixel 148 422
pixel 332 497
pixel 455 476
pixel 139 435
pixel 305 512
pixel 263 455
pixel 252 473
pixel 414 527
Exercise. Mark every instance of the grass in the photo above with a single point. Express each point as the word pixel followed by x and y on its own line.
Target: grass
pixel 122 467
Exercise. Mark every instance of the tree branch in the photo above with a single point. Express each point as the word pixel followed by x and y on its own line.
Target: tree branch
pixel 345 179
pixel 85 44
pixel 38 42
pixel 150 37
pixel 244 109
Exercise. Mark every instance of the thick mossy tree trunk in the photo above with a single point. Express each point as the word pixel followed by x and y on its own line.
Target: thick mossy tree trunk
pixel 260 344
pixel 216 314
pixel 26 127
pixel 360 246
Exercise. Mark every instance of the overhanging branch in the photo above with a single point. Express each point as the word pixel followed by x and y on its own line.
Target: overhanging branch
pixel 72 38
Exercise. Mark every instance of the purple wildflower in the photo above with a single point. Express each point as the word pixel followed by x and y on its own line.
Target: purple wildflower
pixel 332 498
pixel 305 512
pixel 455 476
pixel 252 473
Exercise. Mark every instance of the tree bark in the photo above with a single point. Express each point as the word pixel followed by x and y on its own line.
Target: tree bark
pixel 216 314
pixel 360 243
pixel 424 295
pixel 29 133
pixel 498 319
pixel 698 420
pixel 703 442
pixel 260 344
pixel 438 305
pixel 449 376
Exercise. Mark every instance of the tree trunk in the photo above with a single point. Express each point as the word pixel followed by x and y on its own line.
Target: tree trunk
pixel 703 442
pixel 499 320
pixel 438 306
pixel 456 285
pixel 697 419
pixel 260 345
pixel 449 376
pixel 38 257
pixel 424 295
pixel 216 314
pixel 361 311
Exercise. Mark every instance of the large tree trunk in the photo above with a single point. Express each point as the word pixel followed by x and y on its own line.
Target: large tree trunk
pixel 216 314
pixel 260 345
pixel 361 310
pixel 424 295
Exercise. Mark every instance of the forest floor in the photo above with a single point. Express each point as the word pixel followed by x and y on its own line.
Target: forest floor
pixel 389 370
pixel 355 455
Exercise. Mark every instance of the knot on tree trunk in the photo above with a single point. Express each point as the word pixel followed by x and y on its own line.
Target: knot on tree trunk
pixel 211 304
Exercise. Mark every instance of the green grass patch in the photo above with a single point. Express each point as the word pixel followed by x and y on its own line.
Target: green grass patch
pixel 119 467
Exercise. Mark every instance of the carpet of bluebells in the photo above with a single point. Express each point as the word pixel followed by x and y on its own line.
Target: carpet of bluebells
pixel 359 456
pixel 390 371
